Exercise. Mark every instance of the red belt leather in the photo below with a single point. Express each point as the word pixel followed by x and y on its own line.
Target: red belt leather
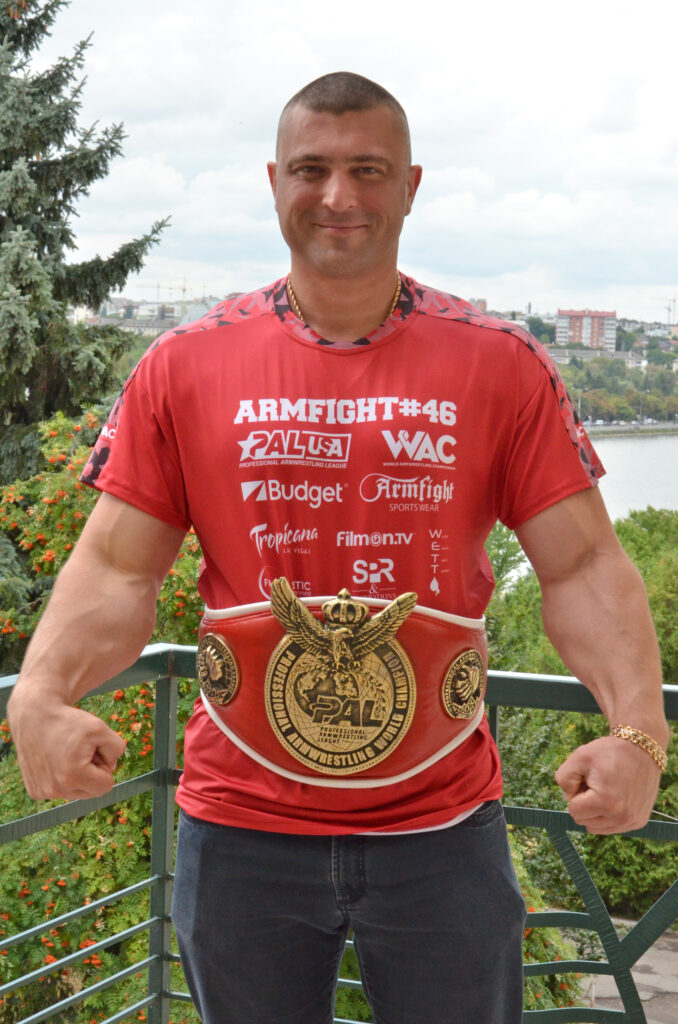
pixel 432 642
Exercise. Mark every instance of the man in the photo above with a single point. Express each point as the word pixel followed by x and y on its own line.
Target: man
pixel 345 432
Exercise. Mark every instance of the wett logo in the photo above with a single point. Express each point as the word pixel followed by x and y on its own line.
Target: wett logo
pixel 420 447
pixel 311 494
pixel 294 446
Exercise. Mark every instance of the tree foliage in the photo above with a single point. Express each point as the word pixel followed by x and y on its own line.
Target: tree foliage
pixel 48 162
pixel 546 333
pixel 606 389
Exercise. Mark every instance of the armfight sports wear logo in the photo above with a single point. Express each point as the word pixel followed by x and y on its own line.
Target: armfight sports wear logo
pixel 274 490
pixel 303 447
pixel 412 494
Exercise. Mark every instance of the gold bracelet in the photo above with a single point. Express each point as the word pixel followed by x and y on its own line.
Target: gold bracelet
pixel 641 739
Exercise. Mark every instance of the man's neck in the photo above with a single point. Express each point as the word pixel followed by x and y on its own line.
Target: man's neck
pixel 343 309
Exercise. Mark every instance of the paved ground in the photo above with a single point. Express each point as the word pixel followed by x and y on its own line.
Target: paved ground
pixel 656 976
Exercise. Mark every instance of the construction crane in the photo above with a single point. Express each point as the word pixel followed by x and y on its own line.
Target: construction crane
pixel 171 288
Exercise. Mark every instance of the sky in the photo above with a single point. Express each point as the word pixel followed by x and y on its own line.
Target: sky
pixel 547 132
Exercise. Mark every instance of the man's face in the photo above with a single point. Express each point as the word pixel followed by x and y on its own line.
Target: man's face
pixel 343 185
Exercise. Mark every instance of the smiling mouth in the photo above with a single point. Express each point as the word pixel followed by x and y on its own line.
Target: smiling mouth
pixel 341 227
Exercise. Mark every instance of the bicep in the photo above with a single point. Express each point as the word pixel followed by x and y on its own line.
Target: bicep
pixel 566 536
pixel 123 538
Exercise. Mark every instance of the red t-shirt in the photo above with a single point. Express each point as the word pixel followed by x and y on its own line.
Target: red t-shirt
pixel 379 466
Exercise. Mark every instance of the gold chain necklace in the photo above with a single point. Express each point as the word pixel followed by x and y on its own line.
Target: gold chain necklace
pixel 297 308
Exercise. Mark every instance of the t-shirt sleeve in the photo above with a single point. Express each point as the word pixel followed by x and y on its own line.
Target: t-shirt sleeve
pixel 136 456
pixel 551 456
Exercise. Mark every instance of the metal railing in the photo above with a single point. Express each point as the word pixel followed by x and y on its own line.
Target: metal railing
pixel 164 664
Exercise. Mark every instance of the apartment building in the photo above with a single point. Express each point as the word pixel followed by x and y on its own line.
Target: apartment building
pixel 593 328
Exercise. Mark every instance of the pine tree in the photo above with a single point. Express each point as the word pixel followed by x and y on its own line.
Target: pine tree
pixel 47 163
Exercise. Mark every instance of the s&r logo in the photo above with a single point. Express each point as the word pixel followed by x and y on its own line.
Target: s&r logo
pixel 373 572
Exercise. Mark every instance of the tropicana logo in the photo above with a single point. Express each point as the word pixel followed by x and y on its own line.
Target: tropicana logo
pixel 274 540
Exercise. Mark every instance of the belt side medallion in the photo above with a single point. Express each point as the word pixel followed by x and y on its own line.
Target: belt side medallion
pixel 463 685
pixel 218 670
pixel 340 693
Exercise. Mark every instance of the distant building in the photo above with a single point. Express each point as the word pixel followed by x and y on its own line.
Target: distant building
pixel 632 360
pixel 592 328
pixel 480 304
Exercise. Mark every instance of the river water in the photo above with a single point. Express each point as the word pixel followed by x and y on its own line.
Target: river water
pixel 641 471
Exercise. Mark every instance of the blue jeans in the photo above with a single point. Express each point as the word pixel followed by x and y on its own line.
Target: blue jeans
pixel 261 919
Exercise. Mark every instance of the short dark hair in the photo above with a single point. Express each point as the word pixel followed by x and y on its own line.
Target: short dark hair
pixel 341 92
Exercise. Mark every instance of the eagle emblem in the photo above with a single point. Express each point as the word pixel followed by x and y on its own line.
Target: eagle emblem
pixel 340 692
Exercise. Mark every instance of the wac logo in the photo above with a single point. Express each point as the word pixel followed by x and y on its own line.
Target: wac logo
pixel 420 447
pixel 295 446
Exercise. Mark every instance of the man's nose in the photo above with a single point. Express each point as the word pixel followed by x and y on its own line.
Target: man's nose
pixel 340 192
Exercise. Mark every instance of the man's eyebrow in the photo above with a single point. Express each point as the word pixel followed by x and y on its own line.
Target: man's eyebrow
pixel 370 158
pixel 320 158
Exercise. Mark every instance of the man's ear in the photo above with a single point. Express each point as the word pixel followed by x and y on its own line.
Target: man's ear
pixel 413 182
pixel 271 167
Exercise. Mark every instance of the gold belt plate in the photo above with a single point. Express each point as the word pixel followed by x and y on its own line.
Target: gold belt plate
pixel 463 685
pixel 218 670
pixel 340 693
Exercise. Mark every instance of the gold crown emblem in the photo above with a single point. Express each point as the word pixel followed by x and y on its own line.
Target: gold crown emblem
pixel 344 611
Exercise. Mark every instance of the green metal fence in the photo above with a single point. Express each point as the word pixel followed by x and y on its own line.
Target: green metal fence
pixel 165 664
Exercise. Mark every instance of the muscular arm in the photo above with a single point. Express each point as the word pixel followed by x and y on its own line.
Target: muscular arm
pixel 596 615
pixel 99 617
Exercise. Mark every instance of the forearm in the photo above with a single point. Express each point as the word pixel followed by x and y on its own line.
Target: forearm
pixel 99 617
pixel 96 623
pixel 599 622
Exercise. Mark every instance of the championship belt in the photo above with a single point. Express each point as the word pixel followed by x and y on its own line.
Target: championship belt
pixel 322 693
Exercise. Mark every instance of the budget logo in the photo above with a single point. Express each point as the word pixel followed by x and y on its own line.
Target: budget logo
pixel 303 447
pixel 421 447
pixel 310 494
